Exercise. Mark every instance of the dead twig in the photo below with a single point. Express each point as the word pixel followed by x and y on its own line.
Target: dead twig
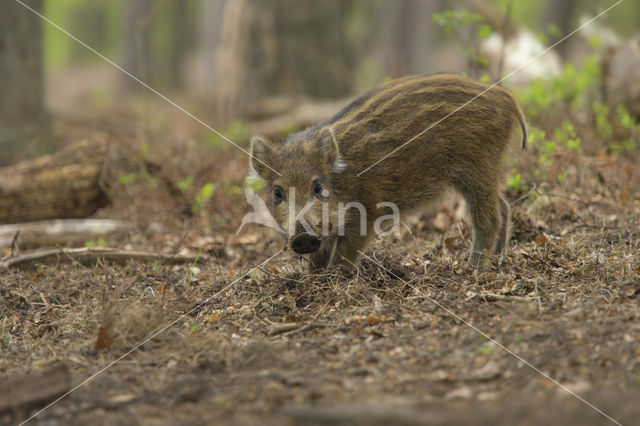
pixel 14 242
pixel 308 326
pixel 276 329
pixel 527 195
pixel 493 297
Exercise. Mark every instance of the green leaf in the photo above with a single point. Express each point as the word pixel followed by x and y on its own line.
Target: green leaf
pixel 484 31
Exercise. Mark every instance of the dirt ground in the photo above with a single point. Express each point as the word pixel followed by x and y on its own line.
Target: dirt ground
pixel 413 336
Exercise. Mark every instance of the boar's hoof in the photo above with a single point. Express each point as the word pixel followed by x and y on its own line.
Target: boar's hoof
pixel 305 243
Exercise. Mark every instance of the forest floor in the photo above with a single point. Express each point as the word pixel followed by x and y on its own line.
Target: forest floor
pixel 413 336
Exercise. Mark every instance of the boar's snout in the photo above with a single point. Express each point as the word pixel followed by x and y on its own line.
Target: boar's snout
pixel 305 243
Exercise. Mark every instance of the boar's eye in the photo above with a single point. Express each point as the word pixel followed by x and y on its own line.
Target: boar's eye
pixel 278 194
pixel 318 191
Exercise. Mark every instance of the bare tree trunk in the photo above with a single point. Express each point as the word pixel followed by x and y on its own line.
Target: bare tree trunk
pixel 180 42
pixel 137 54
pixel 232 88
pixel 313 58
pixel 202 69
pixel 293 48
pixel 89 22
pixel 559 13
pixel 22 113
pixel 407 39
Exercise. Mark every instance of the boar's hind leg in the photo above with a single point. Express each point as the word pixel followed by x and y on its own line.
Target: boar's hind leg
pixel 503 233
pixel 483 207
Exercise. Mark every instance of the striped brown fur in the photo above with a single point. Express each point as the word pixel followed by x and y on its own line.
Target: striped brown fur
pixel 463 152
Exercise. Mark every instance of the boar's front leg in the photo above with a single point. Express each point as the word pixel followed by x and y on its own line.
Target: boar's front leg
pixel 338 250
pixel 324 257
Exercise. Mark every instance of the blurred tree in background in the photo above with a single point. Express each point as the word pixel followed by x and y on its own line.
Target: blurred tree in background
pixel 293 48
pixel 22 113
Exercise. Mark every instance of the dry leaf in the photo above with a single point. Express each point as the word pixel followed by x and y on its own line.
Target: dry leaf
pixel 214 315
pixel 541 240
pixel 448 242
pixel 356 318
pixel 370 319
pixel 103 341
pixel 631 290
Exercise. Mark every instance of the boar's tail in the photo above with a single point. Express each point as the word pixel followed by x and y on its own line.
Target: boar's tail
pixel 523 124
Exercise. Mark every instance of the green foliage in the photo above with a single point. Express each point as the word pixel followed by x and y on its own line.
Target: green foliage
pixel 254 183
pixel 538 138
pixel 237 131
pixel 554 31
pixel 620 129
pixel 594 42
pixel 572 87
pixel 565 140
pixel 229 188
pixel 145 149
pixel 484 31
pixel 191 272
pixel 202 197
pixel 566 134
pixel 80 18
pixel 631 128
pixel 99 242
pixel 562 176
pixel 185 183
pixel 526 13
pixel 290 128
pixel 515 181
pixel 487 349
pixel 455 22
pixel 128 179
pixel 625 118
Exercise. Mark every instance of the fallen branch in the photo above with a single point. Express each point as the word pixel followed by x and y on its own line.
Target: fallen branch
pixel 299 117
pixel 51 233
pixel 89 256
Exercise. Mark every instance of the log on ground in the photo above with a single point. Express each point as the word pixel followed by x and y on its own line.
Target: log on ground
pixel 33 391
pixel 61 232
pixel 62 185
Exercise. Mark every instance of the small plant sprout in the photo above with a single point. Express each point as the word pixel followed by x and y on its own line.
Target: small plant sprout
pixel 202 197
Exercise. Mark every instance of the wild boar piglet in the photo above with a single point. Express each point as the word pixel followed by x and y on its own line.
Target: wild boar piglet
pixel 335 185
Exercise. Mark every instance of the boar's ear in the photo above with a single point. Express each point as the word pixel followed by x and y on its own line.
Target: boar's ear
pixel 329 146
pixel 259 152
